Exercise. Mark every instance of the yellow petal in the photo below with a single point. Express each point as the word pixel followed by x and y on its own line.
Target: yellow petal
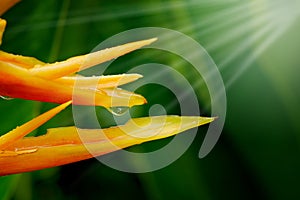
pixel 20 61
pixel 75 64
pixel 19 132
pixel 2 27
pixel 63 145
pixel 107 81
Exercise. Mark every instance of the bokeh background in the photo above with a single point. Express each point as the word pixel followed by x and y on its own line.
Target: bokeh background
pixel 255 45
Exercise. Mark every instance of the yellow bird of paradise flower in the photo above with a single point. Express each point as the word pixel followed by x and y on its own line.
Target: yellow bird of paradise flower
pixel 31 79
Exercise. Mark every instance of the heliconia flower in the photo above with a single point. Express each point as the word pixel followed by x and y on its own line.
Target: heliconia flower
pixel 28 78
pixel 64 145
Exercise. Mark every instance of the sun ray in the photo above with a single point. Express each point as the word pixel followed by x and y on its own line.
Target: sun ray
pixel 275 33
pixel 238 31
pixel 207 25
pixel 244 45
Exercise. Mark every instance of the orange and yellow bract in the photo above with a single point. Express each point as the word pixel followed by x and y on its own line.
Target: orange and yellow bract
pixel 20 73
pixel 64 145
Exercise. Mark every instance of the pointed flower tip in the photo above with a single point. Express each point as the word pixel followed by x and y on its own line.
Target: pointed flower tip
pixel 21 131
pixel 193 121
pixel 207 119
pixel 149 41
pixel 55 110
pixel 157 127
pixel 139 100
pixel 2 28
pixel 2 24
pixel 135 76
pixel 138 44
pixel 127 78
pixel 215 118
pixel 64 105
pixel 136 100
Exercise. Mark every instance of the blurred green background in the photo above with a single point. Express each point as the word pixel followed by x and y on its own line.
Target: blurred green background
pixel 255 45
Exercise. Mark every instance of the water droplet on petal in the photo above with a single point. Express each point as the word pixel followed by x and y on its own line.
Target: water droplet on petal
pixel 6 98
pixel 118 111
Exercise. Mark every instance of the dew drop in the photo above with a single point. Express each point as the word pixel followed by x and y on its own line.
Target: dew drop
pixel 6 98
pixel 118 111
